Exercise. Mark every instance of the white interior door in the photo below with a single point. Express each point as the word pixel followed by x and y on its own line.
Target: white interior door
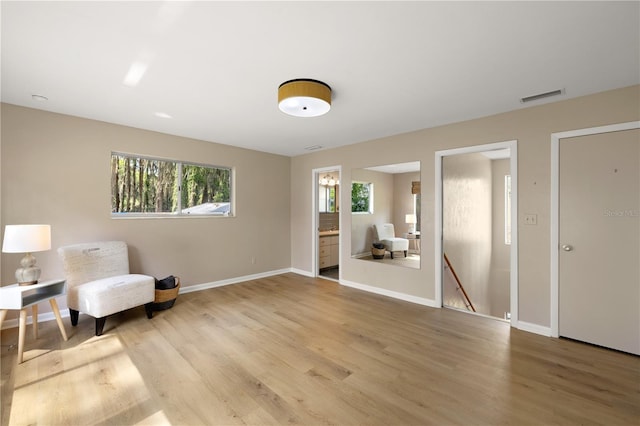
pixel 599 239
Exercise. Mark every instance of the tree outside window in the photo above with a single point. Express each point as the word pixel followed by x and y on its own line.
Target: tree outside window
pixel 146 186
pixel 361 197
pixel 327 198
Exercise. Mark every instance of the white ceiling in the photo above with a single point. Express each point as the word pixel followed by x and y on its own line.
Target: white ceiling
pixel 394 67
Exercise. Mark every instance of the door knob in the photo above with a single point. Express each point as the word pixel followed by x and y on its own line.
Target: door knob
pixel 567 247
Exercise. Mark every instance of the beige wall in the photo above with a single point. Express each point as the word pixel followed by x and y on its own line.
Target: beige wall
pixel 532 128
pixel 55 169
pixel 403 200
pixel 466 223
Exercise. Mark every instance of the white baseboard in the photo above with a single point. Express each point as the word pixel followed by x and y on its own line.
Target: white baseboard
pixel 390 293
pixel 533 328
pixel 235 280
pixel 302 272
pixel 521 325
pixel 48 316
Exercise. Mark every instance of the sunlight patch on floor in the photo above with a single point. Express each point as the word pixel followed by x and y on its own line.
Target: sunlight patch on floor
pixel 87 391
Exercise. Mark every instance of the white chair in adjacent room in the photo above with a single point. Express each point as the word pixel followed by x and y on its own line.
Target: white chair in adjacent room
pixel 99 283
pixel 387 236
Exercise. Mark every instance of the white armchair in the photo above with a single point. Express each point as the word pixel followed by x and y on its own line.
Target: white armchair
pixel 99 283
pixel 387 236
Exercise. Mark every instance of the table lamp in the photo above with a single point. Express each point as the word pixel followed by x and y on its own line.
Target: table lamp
pixel 411 220
pixel 27 239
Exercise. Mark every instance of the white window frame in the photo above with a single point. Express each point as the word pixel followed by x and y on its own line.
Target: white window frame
pixel 370 208
pixel 179 208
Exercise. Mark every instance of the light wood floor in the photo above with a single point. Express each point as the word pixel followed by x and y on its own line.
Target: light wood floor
pixel 295 350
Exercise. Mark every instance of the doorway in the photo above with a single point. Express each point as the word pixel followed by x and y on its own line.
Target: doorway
pixel 596 236
pixel 327 222
pixel 476 226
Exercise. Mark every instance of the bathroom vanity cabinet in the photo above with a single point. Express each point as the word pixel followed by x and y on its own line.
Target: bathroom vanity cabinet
pixel 329 251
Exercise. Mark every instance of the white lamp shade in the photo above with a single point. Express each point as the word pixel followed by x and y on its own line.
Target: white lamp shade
pixel 410 218
pixel 26 238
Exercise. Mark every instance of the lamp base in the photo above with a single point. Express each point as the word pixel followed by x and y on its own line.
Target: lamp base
pixel 29 273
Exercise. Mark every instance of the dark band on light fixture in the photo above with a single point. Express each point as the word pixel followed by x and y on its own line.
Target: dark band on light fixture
pixel 309 80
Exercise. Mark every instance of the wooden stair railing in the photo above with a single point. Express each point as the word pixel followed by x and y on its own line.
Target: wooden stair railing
pixel 467 303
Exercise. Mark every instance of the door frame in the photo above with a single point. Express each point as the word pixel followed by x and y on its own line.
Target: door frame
pixel 315 218
pixel 555 208
pixel 513 165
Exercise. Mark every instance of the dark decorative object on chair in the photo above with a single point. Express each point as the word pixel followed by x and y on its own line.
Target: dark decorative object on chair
pixel 377 251
pixel 166 293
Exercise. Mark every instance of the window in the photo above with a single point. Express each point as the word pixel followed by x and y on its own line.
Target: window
pixel 327 196
pixel 362 197
pixel 507 209
pixel 142 186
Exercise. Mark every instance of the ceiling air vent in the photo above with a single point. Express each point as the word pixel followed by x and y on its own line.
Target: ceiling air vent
pixel 313 147
pixel 542 96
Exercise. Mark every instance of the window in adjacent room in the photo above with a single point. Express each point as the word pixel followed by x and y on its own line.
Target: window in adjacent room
pixel 327 196
pixel 144 186
pixel 362 197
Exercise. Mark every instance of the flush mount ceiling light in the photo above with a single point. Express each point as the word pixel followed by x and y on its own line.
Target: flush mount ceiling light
pixel 304 97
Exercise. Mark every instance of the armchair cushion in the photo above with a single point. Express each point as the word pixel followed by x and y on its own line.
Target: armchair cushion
pixel 107 296
pixel 386 235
